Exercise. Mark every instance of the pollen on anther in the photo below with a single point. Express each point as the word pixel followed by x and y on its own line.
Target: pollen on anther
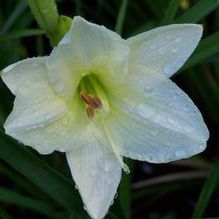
pixel 92 103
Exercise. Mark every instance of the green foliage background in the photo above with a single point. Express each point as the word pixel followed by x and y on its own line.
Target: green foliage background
pixel 35 186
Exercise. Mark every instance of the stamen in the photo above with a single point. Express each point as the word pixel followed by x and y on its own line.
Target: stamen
pixel 91 103
pixel 90 111
pixel 115 150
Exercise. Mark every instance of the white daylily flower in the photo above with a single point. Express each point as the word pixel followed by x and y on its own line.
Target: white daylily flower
pixel 98 98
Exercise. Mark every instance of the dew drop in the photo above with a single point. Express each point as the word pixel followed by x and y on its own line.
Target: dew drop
pixel 202 147
pixel 144 111
pixel 112 202
pixel 167 68
pixel 153 46
pixel 85 208
pixel 179 152
pixel 178 39
pixel 106 167
pixel 47 116
pixel 168 37
pixel 76 187
pixel 126 168
pixel 174 50
pixel 19 124
pixel 116 196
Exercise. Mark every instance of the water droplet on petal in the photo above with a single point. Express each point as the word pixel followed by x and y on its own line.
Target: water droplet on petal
pixel 76 187
pixel 169 37
pixel 106 167
pixel 153 46
pixel 202 146
pixel 174 50
pixel 126 168
pixel 116 196
pixel 112 202
pixel 167 68
pixel 180 153
pixel 144 111
pixel 178 39
pixel 47 116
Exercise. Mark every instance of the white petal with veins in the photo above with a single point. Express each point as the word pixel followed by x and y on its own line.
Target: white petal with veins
pixel 162 126
pixel 97 173
pixel 165 49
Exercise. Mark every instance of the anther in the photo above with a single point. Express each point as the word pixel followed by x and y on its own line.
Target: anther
pixel 91 103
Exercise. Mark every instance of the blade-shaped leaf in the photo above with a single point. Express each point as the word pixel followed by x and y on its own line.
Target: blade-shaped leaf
pixel 206 49
pixel 170 12
pixel 207 191
pixel 198 11
pixel 45 177
pixel 11 197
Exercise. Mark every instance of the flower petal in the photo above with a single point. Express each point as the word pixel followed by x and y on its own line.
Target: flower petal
pixel 66 130
pixel 87 48
pixel 165 49
pixel 21 72
pixel 158 126
pixel 40 118
pixel 97 173
pixel 35 102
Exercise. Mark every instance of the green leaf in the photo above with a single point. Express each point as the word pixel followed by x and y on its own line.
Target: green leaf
pixel 45 177
pixel 125 192
pixel 19 9
pixel 155 7
pixel 207 48
pixel 207 191
pixel 4 214
pixel 11 197
pixel 121 17
pixel 171 12
pixel 198 11
pixel 42 175
pixel 21 33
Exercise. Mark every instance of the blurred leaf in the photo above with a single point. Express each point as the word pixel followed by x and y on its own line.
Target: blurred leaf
pixel 125 192
pixel 21 33
pixel 19 9
pixel 207 191
pixel 170 12
pixel 11 197
pixel 45 177
pixel 166 187
pixel 207 48
pixel 4 214
pixel 155 7
pixel 121 16
pixel 198 11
